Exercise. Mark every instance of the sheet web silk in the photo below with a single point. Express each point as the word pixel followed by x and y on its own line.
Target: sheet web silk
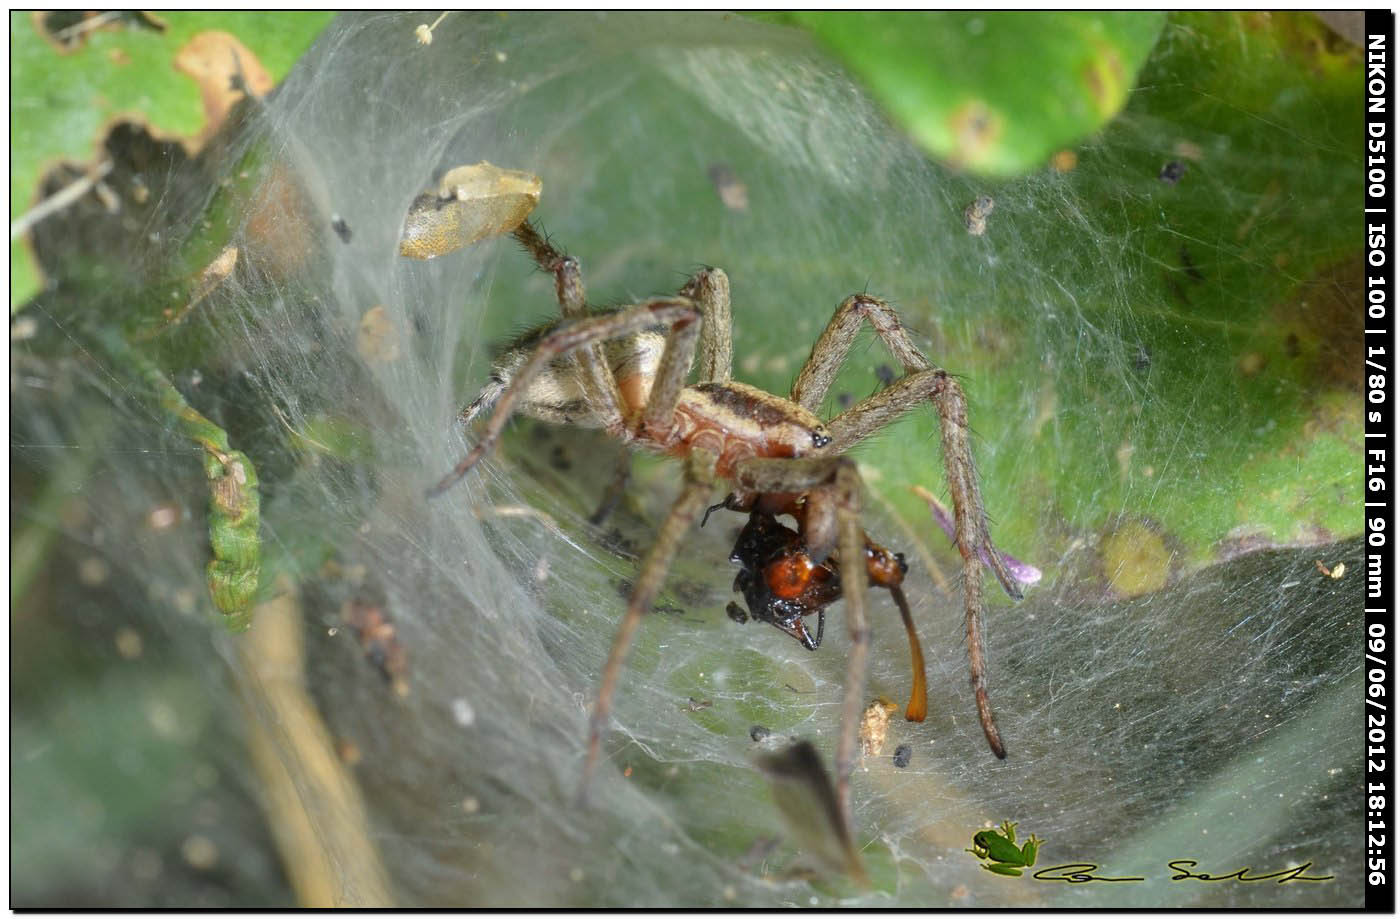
pixel 1214 719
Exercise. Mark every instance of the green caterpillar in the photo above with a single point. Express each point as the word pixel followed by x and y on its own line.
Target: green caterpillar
pixel 234 570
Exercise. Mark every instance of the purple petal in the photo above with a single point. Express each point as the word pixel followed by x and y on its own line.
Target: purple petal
pixel 1023 573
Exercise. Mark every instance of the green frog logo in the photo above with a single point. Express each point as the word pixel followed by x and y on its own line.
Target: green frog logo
pixel 1000 851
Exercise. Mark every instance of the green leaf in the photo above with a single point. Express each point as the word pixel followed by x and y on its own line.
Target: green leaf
pixel 995 93
pixel 61 103
pixel 1242 273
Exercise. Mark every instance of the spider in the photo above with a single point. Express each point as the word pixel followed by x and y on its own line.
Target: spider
pixel 625 370
pixel 782 585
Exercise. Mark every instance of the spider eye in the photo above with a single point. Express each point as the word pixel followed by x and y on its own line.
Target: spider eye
pixel 819 439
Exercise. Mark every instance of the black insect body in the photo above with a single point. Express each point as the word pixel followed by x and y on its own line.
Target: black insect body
pixel 782 585
pixel 1172 172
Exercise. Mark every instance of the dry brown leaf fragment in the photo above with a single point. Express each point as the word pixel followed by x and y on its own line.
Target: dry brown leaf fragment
pixel 280 229
pixel 68 30
pixel 379 642
pixel 223 67
pixel 1185 149
pixel 1064 161
pixel 976 213
pixel 1334 572
pixel 875 725
pixel 211 277
pixel 733 192
pixel 378 339
pixel 468 205
pixel 348 752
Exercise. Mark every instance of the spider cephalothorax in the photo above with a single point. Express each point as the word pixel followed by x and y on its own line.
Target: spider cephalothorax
pixel 626 371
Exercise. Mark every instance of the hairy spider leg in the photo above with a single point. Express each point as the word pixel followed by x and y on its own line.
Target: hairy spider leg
pixel 601 391
pixel 846 493
pixel 830 352
pixel 709 289
pixel 832 520
pixel 708 292
pixel 568 290
pixel 921 381
pixel 682 316
pixel 568 276
pixel 874 413
pixel 677 313
pixel 699 482
pixel 616 488
pixel 484 400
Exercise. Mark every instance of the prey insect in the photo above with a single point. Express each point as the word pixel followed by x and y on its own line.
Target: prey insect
pixel 626 370
pixel 783 585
